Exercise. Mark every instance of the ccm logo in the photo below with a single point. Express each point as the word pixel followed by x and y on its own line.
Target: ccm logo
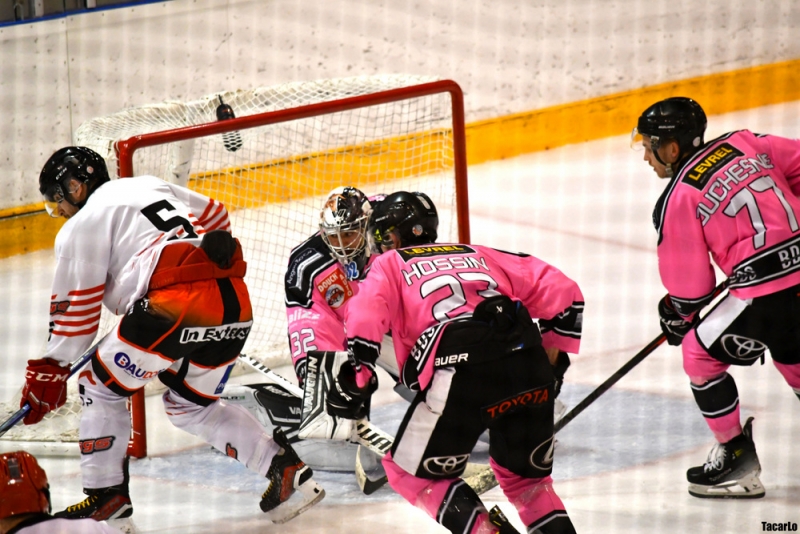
pixel 45 377
pixel 441 361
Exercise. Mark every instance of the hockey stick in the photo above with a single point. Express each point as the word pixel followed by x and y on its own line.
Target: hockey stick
pixel 367 484
pixel 481 478
pixel 20 414
pixel 622 371
pixel 605 386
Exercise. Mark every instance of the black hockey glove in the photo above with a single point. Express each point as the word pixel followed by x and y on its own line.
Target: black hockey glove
pixel 560 369
pixel 673 325
pixel 345 399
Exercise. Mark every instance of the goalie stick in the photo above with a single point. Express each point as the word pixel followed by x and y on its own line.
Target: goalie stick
pixel 479 476
pixel 367 484
pixel 20 414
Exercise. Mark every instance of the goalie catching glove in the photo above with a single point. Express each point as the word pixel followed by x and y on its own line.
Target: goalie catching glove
pixel 45 388
pixel 346 399
pixel 321 389
pixel 674 325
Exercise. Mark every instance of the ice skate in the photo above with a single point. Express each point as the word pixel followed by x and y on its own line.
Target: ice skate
pixel 102 504
pixel 500 522
pixel 731 471
pixel 291 489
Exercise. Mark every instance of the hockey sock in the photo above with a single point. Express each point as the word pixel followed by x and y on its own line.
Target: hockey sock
pixel 718 400
pixel 461 508
pixel 533 498
pixel 104 430
pixel 791 373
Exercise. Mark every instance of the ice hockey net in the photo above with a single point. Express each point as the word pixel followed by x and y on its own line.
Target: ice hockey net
pixel 288 147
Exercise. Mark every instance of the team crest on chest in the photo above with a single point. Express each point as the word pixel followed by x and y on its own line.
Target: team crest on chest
pixel 335 289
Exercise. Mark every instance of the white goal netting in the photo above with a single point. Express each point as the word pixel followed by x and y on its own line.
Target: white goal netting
pixel 274 173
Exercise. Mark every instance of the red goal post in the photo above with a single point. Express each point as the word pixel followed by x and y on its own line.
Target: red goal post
pixel 291 145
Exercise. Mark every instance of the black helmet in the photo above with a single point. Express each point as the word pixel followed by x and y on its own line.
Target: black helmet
pixel 411 217
pixel 343 226
pixel 77 162
pixel 678 118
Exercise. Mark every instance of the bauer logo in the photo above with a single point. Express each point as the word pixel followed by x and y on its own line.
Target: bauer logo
pixel 699 174
pixel 124 362
pixel 229 332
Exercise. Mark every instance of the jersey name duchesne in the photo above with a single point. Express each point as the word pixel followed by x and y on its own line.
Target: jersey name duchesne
pixel 733 199
pixel 412 289
pixel 107 252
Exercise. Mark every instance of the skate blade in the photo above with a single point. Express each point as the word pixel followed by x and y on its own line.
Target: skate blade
pixel 749 487
pixel 124 525
pixel 306 496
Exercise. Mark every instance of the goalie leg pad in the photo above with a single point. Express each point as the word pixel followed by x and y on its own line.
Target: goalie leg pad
pixel 320 374
pixel 273 405
pixel 276 407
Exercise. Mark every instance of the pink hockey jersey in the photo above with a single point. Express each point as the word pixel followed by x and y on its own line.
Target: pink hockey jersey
pixel 317 294
pixel 106 253
pixel 734 202
pixel 411 289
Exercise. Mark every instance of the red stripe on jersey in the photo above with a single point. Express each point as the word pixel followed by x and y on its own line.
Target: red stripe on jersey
pixel 76 334
pixel 98 298
pixel 79 323
pixel 209 207
pixel 82 292
pixel 82 313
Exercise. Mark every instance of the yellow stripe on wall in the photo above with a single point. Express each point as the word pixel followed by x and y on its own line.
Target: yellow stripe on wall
pixel 256 185
pixel 28 233
pixel 27 228
pixel 596 118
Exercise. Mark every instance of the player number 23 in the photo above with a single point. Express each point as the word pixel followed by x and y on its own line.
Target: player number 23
pixel 457 298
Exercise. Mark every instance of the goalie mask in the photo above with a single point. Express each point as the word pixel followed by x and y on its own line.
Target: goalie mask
pixel 23 485
pixel 82 164
pixel 404 219
pixel 677 118
pixel 343 226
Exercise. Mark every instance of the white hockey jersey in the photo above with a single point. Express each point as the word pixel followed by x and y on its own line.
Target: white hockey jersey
pixel 106 253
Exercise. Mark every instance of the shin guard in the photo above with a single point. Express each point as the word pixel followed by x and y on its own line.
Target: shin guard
pixel 718 400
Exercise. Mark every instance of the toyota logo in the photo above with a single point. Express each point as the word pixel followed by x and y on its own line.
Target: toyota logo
pixel 446 465
pixel 743 348
pixel 542 456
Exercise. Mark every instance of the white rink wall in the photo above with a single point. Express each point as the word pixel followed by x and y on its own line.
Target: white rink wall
pixel 508 55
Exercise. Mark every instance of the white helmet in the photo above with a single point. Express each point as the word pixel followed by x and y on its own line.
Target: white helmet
pixel 343 226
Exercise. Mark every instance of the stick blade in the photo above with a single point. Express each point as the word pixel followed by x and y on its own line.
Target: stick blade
pixel 372 480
